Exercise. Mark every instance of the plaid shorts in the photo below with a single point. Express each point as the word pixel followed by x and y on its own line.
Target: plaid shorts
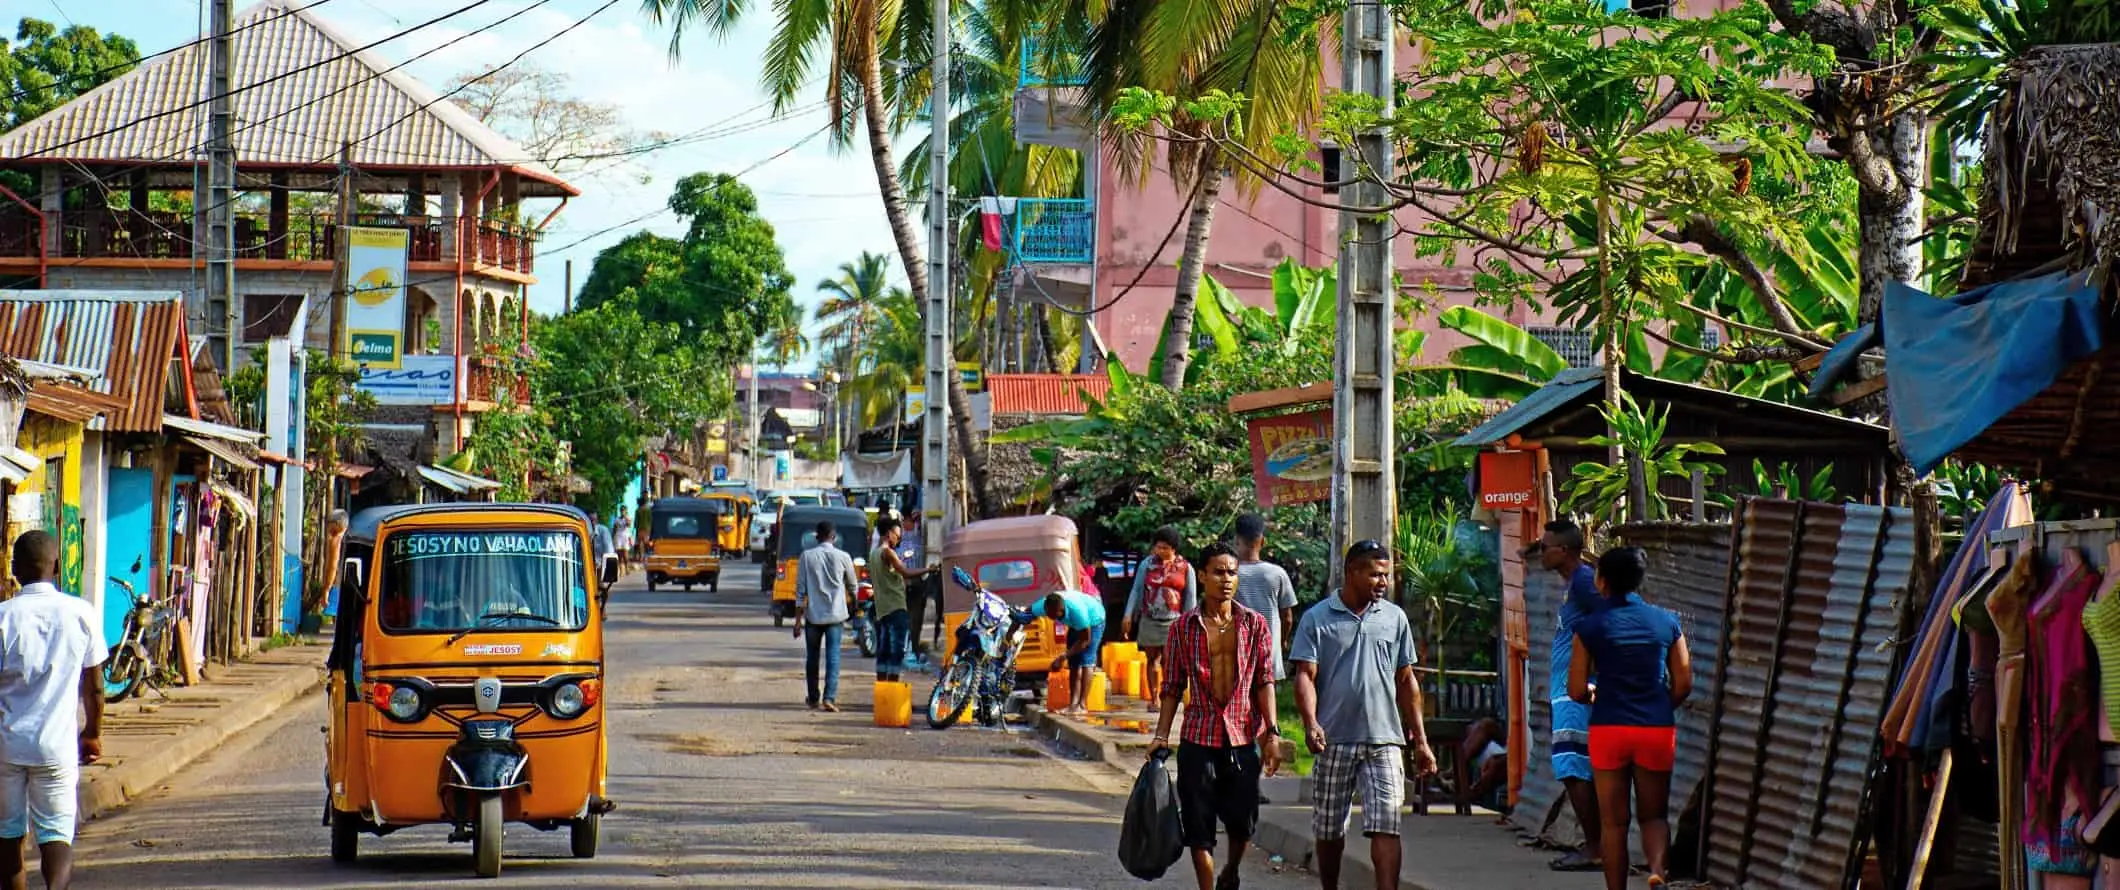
pixel 1379 771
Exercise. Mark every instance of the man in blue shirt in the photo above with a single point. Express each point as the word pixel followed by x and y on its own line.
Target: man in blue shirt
pixel 1560 551
pixel 1083 616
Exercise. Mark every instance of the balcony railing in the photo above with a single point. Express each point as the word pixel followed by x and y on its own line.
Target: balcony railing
pixel 306 237
pixel 1045 62
pixel 483 382
pixel 1055 230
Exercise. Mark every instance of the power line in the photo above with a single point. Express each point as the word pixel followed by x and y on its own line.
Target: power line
pixel 127 66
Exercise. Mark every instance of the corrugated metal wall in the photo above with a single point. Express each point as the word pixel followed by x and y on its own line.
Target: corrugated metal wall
pixel 1803 679
pixel 1542 596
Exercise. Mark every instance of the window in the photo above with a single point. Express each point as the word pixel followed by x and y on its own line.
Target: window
pixel 266 316
pixel 1651 9
pixel 436 582
pixel 55 496
pixel 1329 158
pixel 1711 337
pixel 1008 574
pixel 1576 346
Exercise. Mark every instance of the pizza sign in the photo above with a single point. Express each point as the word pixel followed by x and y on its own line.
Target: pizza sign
pixel 1291 457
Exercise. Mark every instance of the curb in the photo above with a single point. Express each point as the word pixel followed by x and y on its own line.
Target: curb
pixel 105 790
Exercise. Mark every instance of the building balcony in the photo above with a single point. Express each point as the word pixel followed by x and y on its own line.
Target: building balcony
pixel 106 234
pixel 1056 231
pixel 1050 104
pixel 1044 62
pixel 485 381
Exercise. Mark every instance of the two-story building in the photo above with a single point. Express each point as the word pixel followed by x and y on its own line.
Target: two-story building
pixel 444 240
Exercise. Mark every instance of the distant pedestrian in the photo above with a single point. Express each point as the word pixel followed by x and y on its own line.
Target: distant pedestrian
pixel 1264 587
pixel 1083 616
pixel 1560 551
pixel 622 541
pixel 824 585
pixel 1353 661
pixel 1164 588
pixel 1644 672
pixel 51 645
pixel 1223 652
pixel 889 574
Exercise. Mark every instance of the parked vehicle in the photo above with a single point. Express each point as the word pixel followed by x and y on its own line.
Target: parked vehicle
pixel 682 542
pixel 861 617
pixel 732 527
pixel 1021 559
pixel 796 532
pixel 141 656
pixel 762 523
pixel 468 662
pixel 983 657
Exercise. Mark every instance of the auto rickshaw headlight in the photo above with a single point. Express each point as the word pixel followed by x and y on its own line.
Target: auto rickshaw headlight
pixel 573 699
pixel 404 703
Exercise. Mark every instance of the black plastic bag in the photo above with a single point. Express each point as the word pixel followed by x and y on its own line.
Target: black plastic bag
pixel 1152 838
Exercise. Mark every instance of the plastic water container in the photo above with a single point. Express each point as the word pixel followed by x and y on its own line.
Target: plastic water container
pixel 1098 686
pixel 1123 651
pixel 894 704
pixel 1057 696
pixel 1126 676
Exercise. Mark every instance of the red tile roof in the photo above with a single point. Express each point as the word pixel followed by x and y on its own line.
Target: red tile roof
pixel 1045 393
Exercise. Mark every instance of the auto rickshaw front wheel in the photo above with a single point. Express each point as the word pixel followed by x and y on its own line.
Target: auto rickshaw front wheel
pixel 583 833
pixel 345 836
pixel 486 837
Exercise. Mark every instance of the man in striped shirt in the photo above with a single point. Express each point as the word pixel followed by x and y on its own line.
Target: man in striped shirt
pixel 1224 653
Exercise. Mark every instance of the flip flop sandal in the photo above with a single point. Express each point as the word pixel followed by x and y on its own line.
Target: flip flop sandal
pixel 1576 861
pixel 1228 881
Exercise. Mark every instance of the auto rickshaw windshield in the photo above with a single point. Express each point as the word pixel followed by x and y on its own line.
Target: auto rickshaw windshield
pixel 673 523
pixel 449 581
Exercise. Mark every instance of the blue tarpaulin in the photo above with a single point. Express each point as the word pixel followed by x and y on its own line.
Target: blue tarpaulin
pixel 1956 366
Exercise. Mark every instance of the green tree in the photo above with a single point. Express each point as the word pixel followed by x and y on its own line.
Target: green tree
pixel 784 341
pixel 643 261
pixel 853 302
pixel 46 67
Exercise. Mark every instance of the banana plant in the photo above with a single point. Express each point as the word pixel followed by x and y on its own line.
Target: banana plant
pixel 1596 489
pixel 1785 482
pixel 1504 362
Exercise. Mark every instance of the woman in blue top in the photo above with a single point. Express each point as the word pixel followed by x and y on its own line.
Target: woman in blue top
pixel 1638 655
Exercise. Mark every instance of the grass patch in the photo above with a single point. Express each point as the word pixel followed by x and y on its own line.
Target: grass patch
pixel 1292 728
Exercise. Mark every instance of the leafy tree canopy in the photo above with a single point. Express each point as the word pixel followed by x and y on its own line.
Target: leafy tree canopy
pixel 45 67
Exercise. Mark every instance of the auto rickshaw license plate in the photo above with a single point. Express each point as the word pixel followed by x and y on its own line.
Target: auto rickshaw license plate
pixel 680 563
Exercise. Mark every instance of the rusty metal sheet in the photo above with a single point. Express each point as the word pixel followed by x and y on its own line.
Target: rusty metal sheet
pixel 1802 684
pixel 131 336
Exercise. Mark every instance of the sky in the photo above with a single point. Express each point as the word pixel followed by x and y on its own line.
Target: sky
pixel 823 203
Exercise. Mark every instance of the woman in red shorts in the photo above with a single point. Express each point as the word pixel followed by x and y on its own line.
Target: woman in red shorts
pixel 1638 654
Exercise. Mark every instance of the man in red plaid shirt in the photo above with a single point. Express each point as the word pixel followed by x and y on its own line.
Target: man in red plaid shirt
pixel 1225 653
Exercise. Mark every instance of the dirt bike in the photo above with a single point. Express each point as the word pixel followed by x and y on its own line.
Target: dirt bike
pixel 982 670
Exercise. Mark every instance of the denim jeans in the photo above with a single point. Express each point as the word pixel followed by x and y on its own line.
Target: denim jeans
pixel 821 639
pixel 892 633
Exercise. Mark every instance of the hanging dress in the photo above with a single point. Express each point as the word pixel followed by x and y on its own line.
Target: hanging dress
pixel 2007 607
pixel 2062 774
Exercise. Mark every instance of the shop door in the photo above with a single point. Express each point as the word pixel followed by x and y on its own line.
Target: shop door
pixel 130 509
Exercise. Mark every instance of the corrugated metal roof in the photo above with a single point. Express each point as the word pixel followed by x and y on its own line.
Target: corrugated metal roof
pixel 1803 681
pixel 1564 388
pixel 132 336
pixel 1576 386
pixel 301 119
pixel 1045 393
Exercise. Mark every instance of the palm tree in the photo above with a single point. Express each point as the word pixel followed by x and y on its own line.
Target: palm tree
pixel 784 341
pixel 855 36
pixel 852 301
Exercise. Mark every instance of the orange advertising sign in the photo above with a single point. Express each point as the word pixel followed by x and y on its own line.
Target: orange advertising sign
pixel 1508 480
pixel 1291 457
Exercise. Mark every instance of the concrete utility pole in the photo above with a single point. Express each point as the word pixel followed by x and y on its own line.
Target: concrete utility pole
pixel 1364 493
pixel 757 430
pixel 341 241
pixel 222 316
pixel 934 426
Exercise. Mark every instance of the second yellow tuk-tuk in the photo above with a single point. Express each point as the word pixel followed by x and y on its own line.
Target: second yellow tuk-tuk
pixel 466 678
pixel 1021 559
pixel 680 546
pixel 797 531
pixel 732 529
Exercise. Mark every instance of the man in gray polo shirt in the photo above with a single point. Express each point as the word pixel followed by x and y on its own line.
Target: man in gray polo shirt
pixel 824 583
pixel 1353 658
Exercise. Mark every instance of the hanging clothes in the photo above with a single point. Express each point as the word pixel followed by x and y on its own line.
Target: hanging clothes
pixel 1918 719
pixel 2007 607
pixel 2101 620
pixel 2062 773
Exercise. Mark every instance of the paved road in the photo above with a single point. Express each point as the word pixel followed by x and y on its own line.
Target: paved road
pixel 723 778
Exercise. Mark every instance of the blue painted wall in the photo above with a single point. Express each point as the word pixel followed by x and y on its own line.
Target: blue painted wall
pixel 130 530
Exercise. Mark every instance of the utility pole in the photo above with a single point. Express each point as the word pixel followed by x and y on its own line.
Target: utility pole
pixel 934 425
pixel 1364 494
pixel 566 297
pixel 341 241
pixel 757 428
pixel 222 317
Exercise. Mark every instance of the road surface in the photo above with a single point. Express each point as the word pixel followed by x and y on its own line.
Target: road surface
pixel 723 778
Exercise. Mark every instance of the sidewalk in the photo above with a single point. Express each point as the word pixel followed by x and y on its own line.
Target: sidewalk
pixel 148 738
pixel 1442 850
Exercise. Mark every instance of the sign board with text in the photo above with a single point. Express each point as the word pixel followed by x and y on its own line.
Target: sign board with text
pixel 1508 480
pixel 1291 457
pixel 375 287
pixel 417 380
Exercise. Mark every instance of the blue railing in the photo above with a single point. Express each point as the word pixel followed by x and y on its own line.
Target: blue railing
pixel 1048 64
pixel 1055 230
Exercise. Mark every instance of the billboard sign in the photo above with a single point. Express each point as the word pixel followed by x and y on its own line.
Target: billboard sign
pixel 375 287
pixel 417 380
pixel 1291 457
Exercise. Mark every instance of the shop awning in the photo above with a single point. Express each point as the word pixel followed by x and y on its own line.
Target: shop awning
pixel 353 471
pixel 227 452
pixel 461 483
pixel 70 403
pixel 209 430
pixel 17 465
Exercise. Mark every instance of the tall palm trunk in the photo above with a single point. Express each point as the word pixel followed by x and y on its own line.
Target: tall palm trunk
pixel 1177 347
pixel 894 207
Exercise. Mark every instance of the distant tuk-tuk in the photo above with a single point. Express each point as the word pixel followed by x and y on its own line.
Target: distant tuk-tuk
pixel 682 542
pixel 1020 559
pixel 732 530
pixel 797 531
pixel 466 678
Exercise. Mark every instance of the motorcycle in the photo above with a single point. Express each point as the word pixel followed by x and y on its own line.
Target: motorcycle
pixel 862 623
pixel 141 653
pixel 982 671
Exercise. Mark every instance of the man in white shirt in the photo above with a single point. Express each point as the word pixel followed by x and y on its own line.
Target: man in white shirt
pixel 824 586
pixel 51 645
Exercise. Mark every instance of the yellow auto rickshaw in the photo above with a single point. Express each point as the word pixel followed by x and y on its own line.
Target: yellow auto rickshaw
pixel 681 546
pixel 797 531
pixel 466 678
pixel 732 530
pixel 1021 559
